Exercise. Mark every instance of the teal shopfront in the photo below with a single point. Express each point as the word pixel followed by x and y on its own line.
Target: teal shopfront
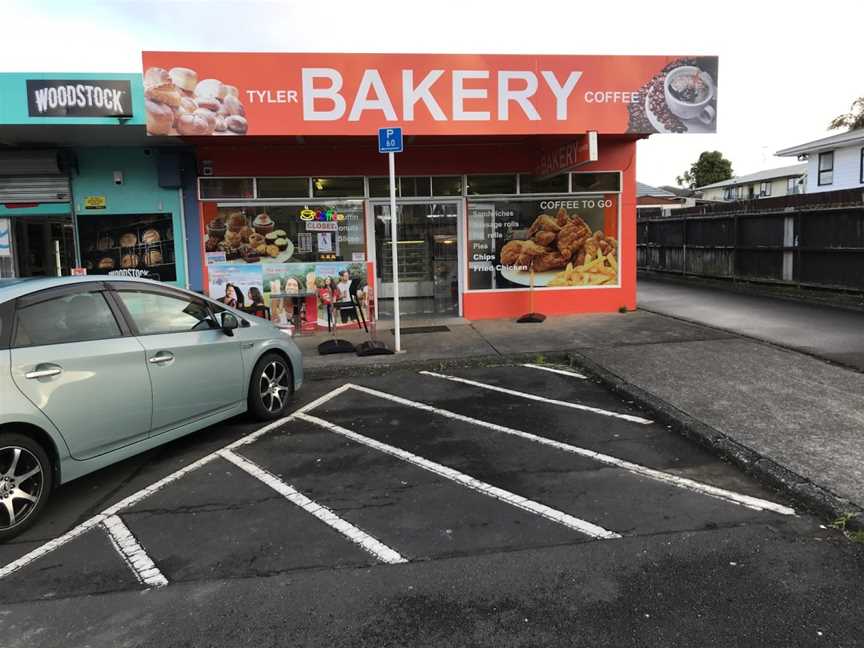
pixel 85 191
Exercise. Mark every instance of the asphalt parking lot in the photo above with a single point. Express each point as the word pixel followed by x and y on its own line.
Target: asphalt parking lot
pixel 417 472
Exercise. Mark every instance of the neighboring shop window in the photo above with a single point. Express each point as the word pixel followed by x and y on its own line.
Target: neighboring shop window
pixel 287 233
pixel 566 241
pixel 136 245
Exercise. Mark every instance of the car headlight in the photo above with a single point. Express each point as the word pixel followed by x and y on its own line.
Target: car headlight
pixel 287 332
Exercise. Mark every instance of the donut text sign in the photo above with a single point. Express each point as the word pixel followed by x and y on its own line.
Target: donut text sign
pixel 198 93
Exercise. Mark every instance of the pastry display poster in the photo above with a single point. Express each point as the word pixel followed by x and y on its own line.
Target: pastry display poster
pixel 248 93
pixel 285 233
pixel 563 242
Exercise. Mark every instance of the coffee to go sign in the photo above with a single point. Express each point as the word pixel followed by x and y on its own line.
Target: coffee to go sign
pixel 190 93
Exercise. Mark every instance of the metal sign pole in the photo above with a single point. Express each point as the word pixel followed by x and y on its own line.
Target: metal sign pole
pixel 393 236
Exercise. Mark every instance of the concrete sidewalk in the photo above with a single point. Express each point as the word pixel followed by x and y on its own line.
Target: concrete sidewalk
pixel 781 412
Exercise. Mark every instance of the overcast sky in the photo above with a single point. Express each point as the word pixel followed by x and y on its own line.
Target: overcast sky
pixel 786 68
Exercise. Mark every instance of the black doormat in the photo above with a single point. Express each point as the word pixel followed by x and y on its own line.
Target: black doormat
pixel 421 329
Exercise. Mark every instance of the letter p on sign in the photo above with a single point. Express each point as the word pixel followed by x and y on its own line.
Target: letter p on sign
pixel 389 140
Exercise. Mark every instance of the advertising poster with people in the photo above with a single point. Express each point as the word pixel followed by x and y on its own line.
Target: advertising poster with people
pixel 334 292
pixel 238 286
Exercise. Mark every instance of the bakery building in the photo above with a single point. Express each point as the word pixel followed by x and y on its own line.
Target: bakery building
pixel 83 188
pixel 516 182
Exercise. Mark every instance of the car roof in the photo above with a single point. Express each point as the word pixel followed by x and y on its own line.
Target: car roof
pixel 14 288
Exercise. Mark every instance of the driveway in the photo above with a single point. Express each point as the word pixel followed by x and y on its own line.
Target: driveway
pixel 819 330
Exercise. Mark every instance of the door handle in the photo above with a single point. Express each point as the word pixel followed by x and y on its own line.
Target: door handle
pixel 43 371
pixel 247 345
pixel 161 357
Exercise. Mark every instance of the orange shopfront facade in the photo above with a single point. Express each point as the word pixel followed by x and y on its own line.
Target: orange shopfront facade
pixel 499 184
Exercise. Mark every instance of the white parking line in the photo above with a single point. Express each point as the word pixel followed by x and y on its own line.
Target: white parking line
pixel 563 372
pixel 132 553
pixel 551 401
pixel 754 503
pixel 136 497
pixel 328 517
pixel 466 480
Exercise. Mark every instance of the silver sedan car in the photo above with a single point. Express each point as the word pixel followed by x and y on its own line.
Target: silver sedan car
pixel 96 369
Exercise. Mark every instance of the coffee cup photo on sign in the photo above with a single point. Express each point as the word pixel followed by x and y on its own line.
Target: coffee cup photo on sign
pixel 680 98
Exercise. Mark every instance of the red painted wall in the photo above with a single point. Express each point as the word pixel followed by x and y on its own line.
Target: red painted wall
pixel 454 156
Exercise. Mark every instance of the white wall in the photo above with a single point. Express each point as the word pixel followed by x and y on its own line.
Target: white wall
pixel 847 170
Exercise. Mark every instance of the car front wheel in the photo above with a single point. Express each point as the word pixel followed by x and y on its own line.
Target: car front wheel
pixel 271 387
pixel 25 482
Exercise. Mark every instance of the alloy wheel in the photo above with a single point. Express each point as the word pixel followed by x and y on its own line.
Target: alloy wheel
pixel 274 386
pixel 22 483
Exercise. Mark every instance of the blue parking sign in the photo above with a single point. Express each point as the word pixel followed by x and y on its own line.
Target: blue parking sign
pixel 389 140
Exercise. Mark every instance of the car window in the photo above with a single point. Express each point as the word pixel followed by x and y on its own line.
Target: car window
pixel 159 313
pixel 72 318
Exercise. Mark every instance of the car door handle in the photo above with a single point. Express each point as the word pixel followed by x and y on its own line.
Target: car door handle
pixel 43 371
pixel 247 345
pixel 161 357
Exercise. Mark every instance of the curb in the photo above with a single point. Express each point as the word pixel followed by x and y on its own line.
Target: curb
pixel 378 369
pixel 801 490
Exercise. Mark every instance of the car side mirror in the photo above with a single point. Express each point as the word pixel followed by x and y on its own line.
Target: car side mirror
pixel 229 323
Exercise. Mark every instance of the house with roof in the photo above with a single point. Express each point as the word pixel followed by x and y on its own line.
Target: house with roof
pixel 833 163
pixel 655 197
pixel 783 181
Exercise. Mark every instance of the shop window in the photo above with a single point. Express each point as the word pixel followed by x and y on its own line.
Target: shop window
pixel 491 185
pixel 73 318
pixel 406 187
pixel 411 186
pixel 337 187
pixel 826 168
pixel 581 182
pixel 133 245
pixel 446 185
pixel 283 187
pixel 529 184
pixel 216 188
pixel 565 242
pixel 380 188
pixel 311 232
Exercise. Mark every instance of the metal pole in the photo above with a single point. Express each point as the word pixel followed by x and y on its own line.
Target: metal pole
pixel 393 237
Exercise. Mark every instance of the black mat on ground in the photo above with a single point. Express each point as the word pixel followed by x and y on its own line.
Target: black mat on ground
pixel 408 330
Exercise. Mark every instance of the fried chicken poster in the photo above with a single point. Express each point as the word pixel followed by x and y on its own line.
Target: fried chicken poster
pixel 570 242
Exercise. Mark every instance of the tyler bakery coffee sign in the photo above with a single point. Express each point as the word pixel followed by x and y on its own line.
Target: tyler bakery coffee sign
pixel 230 94
pixel 78 98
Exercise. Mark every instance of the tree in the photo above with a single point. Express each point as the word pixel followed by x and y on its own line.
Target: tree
pixel 711 167
pixel 852 120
